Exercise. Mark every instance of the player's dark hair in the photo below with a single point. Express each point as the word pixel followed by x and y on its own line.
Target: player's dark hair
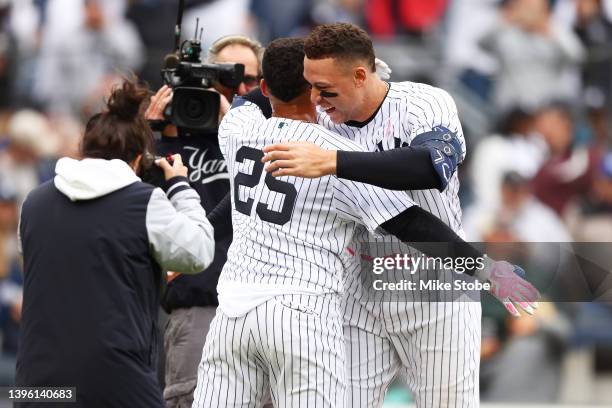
pixel 121 131
pixel 283 68
pixel 341 41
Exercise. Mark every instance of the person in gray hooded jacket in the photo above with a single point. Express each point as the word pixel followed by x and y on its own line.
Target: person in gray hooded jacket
pixel 96 242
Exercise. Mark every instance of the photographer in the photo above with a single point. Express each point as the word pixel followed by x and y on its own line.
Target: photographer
pixel 95 241
pixel 191 301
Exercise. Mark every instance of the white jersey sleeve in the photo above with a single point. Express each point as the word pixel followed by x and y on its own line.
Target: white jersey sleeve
pixel 368 205
pixel 434 107
pixel 365 204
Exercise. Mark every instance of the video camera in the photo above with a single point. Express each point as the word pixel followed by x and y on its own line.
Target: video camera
pixel 194 108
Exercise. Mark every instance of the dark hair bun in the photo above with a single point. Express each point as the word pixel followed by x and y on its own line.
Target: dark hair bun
pixel 125 100
pixel 121 132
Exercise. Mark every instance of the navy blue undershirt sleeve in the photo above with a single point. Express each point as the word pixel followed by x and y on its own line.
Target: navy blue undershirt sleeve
pixel 405 168
pixel 423 231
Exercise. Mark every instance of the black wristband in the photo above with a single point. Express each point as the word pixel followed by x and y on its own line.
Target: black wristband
pixel 406 168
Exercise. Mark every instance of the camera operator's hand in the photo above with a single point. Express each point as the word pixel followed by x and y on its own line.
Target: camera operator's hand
pixel 177 168
pixel 158 104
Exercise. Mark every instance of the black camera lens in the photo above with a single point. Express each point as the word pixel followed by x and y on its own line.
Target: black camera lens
pixel 195 108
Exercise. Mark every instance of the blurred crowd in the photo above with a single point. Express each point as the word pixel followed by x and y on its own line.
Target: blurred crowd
pixel 532 80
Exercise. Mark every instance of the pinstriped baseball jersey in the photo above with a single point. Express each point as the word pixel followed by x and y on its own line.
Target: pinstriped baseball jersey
pixel 408 110
pixel 290 231
pixel 290 236
pixel 434 344
pixel 290 348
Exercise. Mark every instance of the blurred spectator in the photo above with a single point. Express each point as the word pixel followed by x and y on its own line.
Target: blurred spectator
pixel 463 55
pixel 331 11
pixel 11 284
pixel 217 18
pixel 25 23
pixel 388 18
pixel 599 120
pixel 595 31
pixel 155 20
pixel 26 18
pixel 24 158
pixel 524 363
pixel 522 229
pixel 281 18
pixel 89 43
pixel 521 358
pixel 10 272
pixel 515 148
pixel 535 55
pixel 8 56
pixel 518 213
pixel 591 219
pixel 593 321
pixel 569 170
pixel 65 134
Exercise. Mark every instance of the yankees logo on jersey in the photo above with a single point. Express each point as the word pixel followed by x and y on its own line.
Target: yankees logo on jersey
pixel 435 345
pixel 278 326
pixel 204 169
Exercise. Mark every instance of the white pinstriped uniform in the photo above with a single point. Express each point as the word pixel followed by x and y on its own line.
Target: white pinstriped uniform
pixel 278 327
pixel 435 345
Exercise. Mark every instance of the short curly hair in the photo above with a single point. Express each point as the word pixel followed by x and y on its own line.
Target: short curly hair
pixel 283 68
pixel 342 41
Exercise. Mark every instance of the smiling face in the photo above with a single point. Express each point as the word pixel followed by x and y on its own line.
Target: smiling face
pixel 337 87
pixel 339 65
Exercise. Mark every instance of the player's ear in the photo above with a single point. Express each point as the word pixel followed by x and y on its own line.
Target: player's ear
pixel 360 74
pixel 264 88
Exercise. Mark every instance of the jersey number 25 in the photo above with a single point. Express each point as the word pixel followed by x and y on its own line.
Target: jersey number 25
pixel 251 180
